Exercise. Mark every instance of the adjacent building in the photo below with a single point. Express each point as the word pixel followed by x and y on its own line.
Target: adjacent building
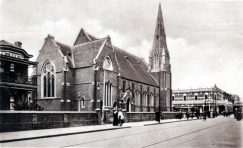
pixel 203 99
pixel 16 86
pixel 93 74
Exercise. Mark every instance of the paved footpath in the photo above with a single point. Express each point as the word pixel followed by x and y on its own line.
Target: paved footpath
pixel 45 133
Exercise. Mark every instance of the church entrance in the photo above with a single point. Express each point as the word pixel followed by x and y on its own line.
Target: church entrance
pixel 128 101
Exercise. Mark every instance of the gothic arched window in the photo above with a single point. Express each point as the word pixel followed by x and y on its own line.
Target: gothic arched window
pixel 108 93
pixel 48 79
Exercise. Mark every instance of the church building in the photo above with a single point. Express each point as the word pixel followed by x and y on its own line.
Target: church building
pixel 93 74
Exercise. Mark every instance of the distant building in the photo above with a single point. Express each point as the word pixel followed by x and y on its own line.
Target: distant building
pixel 236 98
pixel 16 87
pixel 93 74
pixel 204 99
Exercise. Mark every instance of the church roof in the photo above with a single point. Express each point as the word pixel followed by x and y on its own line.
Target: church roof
pixel 64 48
pixel 133 68
pixel 83 54
pixel 84 37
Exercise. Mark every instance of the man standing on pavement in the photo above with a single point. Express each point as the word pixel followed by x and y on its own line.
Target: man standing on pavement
pixel 204 116
pixel 187 115
pixel 157 115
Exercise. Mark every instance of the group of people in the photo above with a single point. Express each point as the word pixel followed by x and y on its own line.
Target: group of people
pixel 192 115
pixel 118 117
pixel 226 114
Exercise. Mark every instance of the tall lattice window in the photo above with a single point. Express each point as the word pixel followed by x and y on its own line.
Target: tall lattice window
pixel 108 93
pixel 48 79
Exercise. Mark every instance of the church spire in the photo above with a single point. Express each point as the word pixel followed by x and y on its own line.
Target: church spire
pixel 159 43
pixel 159 58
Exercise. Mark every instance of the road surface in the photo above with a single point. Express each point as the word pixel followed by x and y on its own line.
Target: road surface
pixel 216 132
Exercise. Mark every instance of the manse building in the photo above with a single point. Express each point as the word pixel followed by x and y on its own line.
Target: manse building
pixel 93 74
pixel 16 86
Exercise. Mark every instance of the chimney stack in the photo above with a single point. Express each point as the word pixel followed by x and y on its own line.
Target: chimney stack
pixel 18 43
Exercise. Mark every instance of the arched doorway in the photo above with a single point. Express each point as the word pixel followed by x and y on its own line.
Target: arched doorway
pixel 128 101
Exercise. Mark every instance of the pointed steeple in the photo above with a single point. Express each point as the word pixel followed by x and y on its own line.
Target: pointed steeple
pixel 159 36
pixel 159 55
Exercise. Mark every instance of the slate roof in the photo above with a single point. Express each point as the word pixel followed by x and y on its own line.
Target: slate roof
pixel 133 67
pixel 83 52
pixel 93 38
pixel 64 48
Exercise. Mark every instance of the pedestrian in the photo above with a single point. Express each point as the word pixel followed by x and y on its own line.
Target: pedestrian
pixel 115 118
pixel 157 115
pixel 180 114
pixel 120 117
pixel 187 115
pixel 204 116
pixel 197 114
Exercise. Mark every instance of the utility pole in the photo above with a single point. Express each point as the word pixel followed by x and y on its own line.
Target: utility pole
pixel 159 96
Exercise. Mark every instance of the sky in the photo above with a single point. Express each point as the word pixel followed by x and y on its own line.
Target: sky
pixel 204 37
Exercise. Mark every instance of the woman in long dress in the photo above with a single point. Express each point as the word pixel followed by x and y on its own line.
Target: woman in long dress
pixel 115 118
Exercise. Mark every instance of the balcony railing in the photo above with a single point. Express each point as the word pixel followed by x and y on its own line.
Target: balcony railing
pixel 17 78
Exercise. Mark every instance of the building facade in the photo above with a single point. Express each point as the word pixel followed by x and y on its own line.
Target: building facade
pixel 16 86
pixel 93 74
pixel 203 99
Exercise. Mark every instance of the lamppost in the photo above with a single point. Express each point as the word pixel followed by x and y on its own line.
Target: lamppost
pixel 214 99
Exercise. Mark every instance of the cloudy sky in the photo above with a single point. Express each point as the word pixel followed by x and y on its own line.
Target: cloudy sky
pixel 204 37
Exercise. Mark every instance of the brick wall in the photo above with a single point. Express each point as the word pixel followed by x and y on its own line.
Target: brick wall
pixel 139 116
pixel 29 120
